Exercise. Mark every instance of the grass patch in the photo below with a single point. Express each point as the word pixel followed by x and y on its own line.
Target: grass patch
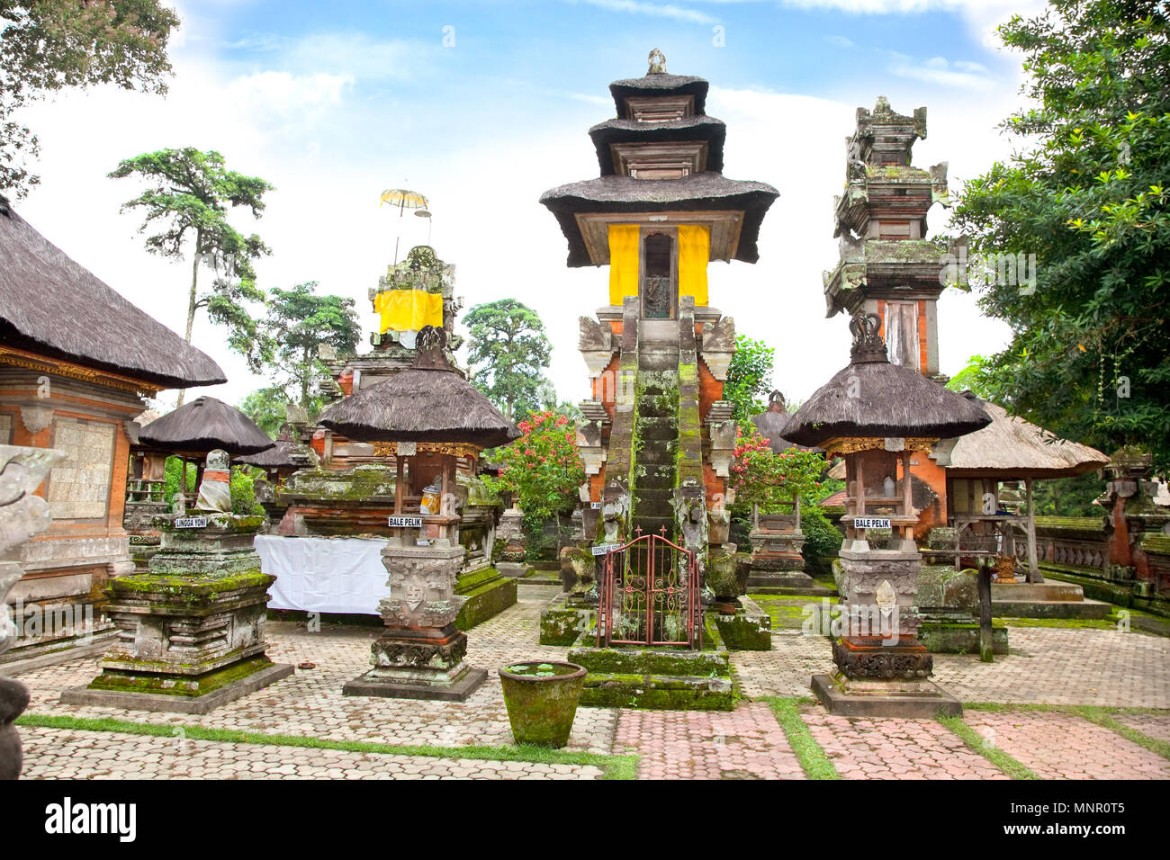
pixel 978 744
pixel 612 766
pixel 1104 717
pixel 1070 623
pixel 813 761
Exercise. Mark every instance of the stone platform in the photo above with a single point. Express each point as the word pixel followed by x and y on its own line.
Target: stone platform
pixel 1044 600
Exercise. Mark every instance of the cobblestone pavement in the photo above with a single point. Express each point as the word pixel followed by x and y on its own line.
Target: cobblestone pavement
pixel 1064 746
pixel 1047 666
pixel 745 744
pixel 63 754
pixel 310 702
pixel 1155 725
pixel 1080 666
pixel 895 749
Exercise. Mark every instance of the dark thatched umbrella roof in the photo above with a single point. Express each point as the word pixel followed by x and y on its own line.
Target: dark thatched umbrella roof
pixel 871 398
pixel 659 85
pixel 52 306
pixel 282 455
pixel 203 425
pixel 1013 448
pixel 693 128
pixel 706 192
pixel 429 402
pixel 771 426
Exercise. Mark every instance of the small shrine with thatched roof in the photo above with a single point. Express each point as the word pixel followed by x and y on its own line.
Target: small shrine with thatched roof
pixel 429 418
pixel 876 414
pixel 191 631
pixel 76 362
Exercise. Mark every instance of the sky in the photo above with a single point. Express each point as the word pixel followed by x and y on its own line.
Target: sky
pixel 482 106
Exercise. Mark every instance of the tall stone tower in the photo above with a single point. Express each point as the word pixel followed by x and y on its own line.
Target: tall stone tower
pixel 657 438
pixel 888 266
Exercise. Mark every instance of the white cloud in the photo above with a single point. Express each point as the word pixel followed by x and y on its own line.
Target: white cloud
pixel 284 94
pixel 658 10
pixel 942 72
pixel 323 221
pixel 839 41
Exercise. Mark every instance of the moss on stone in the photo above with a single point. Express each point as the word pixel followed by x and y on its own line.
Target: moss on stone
pixel 485 601
pixel 173 685
pixel 645 661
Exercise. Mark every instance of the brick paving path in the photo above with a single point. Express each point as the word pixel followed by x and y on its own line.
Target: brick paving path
pixel 1079 666
pixel 64 754
pixel 745 744
pixel 1155 725
pixel 1064 746
pixel 895 749
pixel 1047 666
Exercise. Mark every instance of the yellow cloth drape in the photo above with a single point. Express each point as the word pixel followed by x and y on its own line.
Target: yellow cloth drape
pixel 408 310
pixel 694 252
pixel 623 261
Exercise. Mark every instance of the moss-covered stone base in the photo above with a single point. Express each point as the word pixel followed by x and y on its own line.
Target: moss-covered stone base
pixel 172 685
pixel 656 679
pixel 561 624
pixel 746 630
pixel 949 637
pixel 488 594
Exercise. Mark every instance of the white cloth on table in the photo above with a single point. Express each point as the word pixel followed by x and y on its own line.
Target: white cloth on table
pixel 343 575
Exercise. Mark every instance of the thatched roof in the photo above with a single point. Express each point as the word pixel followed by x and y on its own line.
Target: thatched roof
pixel 203 425
pixel 1013 448
pixel 429 402
pixel 871 398
pixel 693 128
pixel 55 307
pixel 659 85
pixel 771 426
pixel 699 192
pixel 891 401
pixel 282 455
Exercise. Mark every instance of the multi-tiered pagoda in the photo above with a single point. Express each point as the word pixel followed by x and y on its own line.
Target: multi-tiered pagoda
pixel 657 440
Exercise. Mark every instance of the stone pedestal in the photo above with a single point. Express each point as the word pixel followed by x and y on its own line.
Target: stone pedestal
pixel 777 564
pixel 191 632
pixel 420 656
pixel 882 668
pixel 510 533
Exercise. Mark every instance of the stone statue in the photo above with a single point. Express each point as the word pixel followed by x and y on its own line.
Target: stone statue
pixel 215 491
pixel 22 515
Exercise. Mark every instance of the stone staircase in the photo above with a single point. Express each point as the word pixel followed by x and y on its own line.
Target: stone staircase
pixel 655 467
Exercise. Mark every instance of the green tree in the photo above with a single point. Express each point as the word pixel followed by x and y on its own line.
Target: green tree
pixel 749 378
pixel 543 470
pixel 509 353
pixel 976 377
pixel 189 195
pixel 266 406
pixel 297 325
pixel 1090 352
pixel 51 45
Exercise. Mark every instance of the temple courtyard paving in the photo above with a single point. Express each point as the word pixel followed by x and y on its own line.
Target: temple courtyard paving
pixel 1068 703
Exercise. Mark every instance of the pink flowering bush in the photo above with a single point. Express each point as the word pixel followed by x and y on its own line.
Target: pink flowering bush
pixel 542 469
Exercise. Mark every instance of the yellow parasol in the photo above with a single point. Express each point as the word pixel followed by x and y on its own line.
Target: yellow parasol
pixel 405 199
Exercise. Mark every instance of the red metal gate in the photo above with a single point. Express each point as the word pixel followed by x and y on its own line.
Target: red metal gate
pixel 650 594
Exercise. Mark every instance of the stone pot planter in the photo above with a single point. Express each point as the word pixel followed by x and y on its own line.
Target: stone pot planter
pixel 542 700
